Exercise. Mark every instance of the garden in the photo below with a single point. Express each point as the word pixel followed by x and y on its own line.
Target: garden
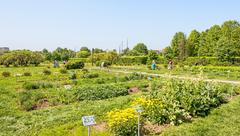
pixel 186 89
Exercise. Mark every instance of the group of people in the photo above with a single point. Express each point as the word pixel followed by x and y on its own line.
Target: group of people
pixel 154 66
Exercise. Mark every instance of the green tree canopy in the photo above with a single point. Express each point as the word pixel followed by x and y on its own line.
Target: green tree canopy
pixel 178 45
pixel 141 48
pixel 193 43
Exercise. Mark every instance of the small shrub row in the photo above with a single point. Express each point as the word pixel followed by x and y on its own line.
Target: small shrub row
pixel 74 65
pixel 90 75
pixel 99 92
pixel 6 74
pixel 36 85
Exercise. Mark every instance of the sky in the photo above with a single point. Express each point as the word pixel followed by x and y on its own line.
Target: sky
pixel 39 24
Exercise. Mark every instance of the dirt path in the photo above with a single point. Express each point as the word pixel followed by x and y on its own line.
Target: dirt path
pixel 177 77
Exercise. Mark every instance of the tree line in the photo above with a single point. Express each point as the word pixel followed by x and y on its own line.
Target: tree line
pixel 220 41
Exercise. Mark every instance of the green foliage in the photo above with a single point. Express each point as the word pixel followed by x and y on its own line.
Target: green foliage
pixel 131 60
pixel 27 74
pixel 74 65
pixel 135 76
pixel 61 54
pixel 83 54
pixel 6 74
pixel 85 49
pixel 178 45
pixel 110 56
pixel 36 85
pixel 175 101
pixel 141 49
pixel 21 58
pixel 152 55
pixel 90 75
pixel 73 76
pixel 192 44
pixel 47 72
pixel 99 92
pixel 212 125
pixel 29 99
pixel 63 71
pixel 123 122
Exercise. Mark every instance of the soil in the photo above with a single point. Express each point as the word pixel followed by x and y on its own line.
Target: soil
pixel 100 127
pixel 43 103
pixel 154 128
pixel 133 90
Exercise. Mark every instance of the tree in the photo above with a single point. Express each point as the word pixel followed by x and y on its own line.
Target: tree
pixel 47 55
pixel 141 48
pixel 152 55
pixel 168 53
pixel 83 54
pixel 97 50
pixel 226 50
pixel 193 43
pixel 85 49
pixel 178 45
pixel 62 54
pixel 228 27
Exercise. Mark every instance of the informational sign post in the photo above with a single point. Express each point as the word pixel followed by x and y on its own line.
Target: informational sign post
pixel 88 121
pixel 139 110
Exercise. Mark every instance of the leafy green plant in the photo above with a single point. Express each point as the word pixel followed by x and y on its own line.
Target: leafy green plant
pixel 29 99
pixel 47 72
pixel 73 76
pixel 6 74
pixel 27 74
pixel 90 75
pixel 99 92
pixel 36 85
pixel 74 65
pixel 63 71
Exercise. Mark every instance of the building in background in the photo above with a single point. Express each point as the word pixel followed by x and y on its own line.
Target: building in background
pixel 4 49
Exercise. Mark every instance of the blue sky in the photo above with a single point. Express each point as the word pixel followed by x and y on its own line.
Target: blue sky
pixel 38 24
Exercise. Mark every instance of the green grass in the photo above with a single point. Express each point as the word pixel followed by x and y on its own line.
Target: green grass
pixel 64 117
pixel 223 121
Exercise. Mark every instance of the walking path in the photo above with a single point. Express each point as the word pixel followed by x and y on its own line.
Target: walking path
pixel 177 77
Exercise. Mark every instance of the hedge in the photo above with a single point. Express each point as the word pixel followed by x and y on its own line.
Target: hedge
pixel 131 60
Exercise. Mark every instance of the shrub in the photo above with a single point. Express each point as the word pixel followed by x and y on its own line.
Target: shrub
pixel 63 71
pixel 90 75
pixel 85 71
pixel 99 92
pixel 6 74
pixel 177 100
pixel 26 100
pixel 27 74
pixel 36 85
pixel 100 81
pixel 73 76
pixel 130 60
pixel 47 72
pixel 123 122
pixel 29 99
pixel 31 85
pixel 75 65
pixel 135 76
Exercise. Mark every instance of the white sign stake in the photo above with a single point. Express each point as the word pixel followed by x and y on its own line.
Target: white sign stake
pixel 88 121
pixel 139 109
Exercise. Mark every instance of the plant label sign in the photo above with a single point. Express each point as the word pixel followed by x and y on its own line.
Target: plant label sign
pixel 88 120
pixel 139 108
